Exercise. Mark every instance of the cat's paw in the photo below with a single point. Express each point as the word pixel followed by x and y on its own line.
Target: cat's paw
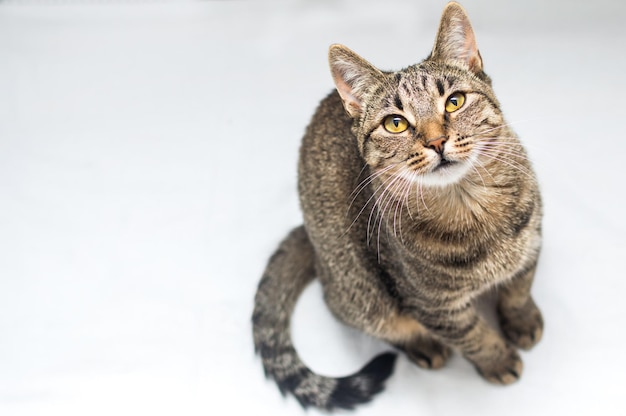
pixel 427 352
pixel 506 368
pixel 522 326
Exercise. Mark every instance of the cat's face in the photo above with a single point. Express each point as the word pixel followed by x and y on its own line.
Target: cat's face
pixel 428 123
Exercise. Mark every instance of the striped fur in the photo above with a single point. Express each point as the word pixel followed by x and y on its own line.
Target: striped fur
pixel 403 234
pixel 289 270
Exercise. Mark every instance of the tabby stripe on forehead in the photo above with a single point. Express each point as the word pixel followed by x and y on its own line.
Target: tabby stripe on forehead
pixel 379 90
pixel 440 87
pixel 424 79
pixel 398 103
pixel 405 89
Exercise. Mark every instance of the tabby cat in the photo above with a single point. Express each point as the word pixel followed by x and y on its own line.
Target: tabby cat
pixel 417 197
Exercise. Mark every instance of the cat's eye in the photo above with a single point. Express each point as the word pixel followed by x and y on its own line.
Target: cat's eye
pixel 395 124
pixel 455 101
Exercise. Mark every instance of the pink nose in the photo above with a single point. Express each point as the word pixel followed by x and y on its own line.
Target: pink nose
pixel 437 144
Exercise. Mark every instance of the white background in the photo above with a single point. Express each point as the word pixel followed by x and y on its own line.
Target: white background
pixel 148 170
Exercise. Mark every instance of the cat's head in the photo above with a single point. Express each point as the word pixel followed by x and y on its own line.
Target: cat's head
pixel 428 122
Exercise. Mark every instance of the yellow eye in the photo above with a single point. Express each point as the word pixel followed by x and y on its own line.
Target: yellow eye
pixel 455 101
pixel 395 124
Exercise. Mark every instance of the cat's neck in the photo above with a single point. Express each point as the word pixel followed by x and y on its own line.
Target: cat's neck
pixel 455 204
pixel 473 202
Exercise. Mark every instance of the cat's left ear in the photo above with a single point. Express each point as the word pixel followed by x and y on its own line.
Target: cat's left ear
pixel 455 39
pixel 353 77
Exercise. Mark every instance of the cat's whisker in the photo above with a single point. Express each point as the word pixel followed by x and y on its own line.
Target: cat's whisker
pixel 478 173
pixel 367 202
pixel 360 185
pixel 386 214
pixel 373 199
pixel 420 192
pixel 505 152
pixel 385 201
pixel 498 140
pixel 502 140
pixel 514 165
pixel 510 140
pixel 483 132
pixel 365 166
pixel 484 168
pixel 400 198
pixel 407 196
pixel 395 210
pixel 376 205
pixel 365 183
pixel 370 178
pixel 512 147
pixel 512 123
pixel 405 201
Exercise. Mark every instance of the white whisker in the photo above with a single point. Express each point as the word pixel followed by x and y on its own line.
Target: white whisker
pixel 520 168
pixel 369 199
pixel 484 168
pixel 385 200
pixel 366 182
pixel 399 205
pixel 420 192
pixel 478 173
pixel 376 206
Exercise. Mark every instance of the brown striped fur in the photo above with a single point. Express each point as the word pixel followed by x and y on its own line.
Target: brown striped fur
pixel 402 240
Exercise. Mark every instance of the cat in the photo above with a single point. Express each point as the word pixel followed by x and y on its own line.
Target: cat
pixel 417 197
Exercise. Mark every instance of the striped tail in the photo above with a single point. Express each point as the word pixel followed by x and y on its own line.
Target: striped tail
pixel 289 270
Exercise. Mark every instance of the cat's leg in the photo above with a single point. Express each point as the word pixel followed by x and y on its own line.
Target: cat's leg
pixel 520 319
pixel 426 351
pixel 419 345
pixel 373 311
pixel 464 329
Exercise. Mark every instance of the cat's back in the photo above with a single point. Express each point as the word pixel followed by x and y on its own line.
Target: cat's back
pixel 327 135
pixel 329 157
pixel 328 169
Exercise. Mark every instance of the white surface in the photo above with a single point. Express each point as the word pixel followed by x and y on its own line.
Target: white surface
pixel 148 169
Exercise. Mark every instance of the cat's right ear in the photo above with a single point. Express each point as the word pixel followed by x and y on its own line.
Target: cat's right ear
pixel 456 40
pixel 353 77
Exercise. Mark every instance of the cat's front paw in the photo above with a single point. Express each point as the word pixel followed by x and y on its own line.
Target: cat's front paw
pixel 504 368
pixel 427 352
pixel 522 326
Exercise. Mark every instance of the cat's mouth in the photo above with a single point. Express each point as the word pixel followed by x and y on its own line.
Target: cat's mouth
pixel 444 164
pixel 446 172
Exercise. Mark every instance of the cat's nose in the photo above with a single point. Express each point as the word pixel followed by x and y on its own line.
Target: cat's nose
pixel 437 144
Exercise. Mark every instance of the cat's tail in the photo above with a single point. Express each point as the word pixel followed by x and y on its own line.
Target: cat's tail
pixel 289 270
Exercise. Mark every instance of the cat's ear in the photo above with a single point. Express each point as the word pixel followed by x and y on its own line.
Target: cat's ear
pixel 455 39
pixel 353 77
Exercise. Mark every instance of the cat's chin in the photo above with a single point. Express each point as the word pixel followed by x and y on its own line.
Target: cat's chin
pixel 441 176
